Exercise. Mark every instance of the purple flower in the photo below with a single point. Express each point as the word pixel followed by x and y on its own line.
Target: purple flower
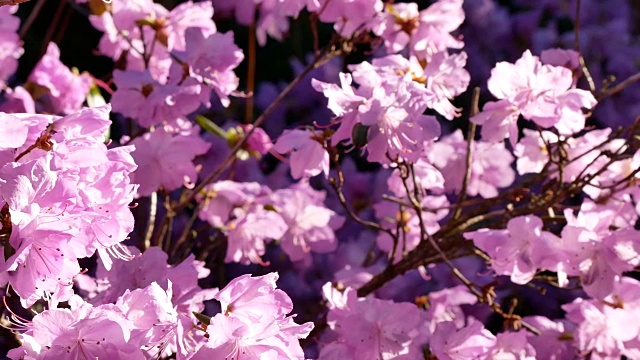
pixel 247 234
pixel 149 102
pixel 221 198
pixel 165 159
pixel 308 156
pixel 310 225
pixel 426 32
pixel 603 329
pixel 541 93
pixel 370 328
pixel 520 250
pixel 211 60
pixel 349 16
pixel 254 322
pixel 452 343
pixel 66 90
pixel 490 170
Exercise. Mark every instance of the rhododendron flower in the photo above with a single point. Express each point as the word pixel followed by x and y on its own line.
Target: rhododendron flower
pixel 603 328
pixel 14 132
pixel 211 60
pixel 512 345
pixel 249 232
pixel 349 16
pixel 66 91
pixel 310 225
pixel 370 328
pixel 555 340
pixel 308 157
pixel 76 333
pixel 385 114
pixel 149 102
pixel 520 250
pixel 165 159
pixel 67 199
pixel 444 305
pixel 595 252
pixel 254 322
pixel 221 198
pixel 18 100
pixel 426 177
pixel 172 291
pixel 531 152
pixel 426 32
pixel 490 168
pixel 541 93
pixel 449 342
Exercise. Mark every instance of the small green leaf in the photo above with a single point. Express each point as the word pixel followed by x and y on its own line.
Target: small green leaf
pixel 211 127
pixel 202 318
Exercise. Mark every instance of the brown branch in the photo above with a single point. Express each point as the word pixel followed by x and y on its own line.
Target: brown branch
pixel 11 2
pixel 469 157
pixel 583 65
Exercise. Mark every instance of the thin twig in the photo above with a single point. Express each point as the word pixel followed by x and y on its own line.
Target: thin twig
pixel 251 72
pixel 621 86
pixel 468 161
pixel 53 26
pixel 153 209
pixel 585 70
pixel 32 16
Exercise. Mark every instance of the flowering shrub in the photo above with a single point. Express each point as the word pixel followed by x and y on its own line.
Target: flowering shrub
pixel 451 180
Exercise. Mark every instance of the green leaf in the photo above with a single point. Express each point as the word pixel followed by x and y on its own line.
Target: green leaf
pixel 202 318
pixel 211 127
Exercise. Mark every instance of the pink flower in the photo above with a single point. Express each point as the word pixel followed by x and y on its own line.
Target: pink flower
pixel 221 198
pixel 426 32
pixel 603 328
pixel 247 234
pixel 151 313
pixel 77 333
pixel 531 152
pixel 444 305
pixel 555 341
pixel 596 253
pixel 349 16
pixel 254 322
pixel 184 16
pixel 67 199
pixel 310 225
pixel 520 250
pixel 211 60
pixel 165 159
pixel 370 328
pixel 308 157
pixel 449 342
pixel 66 90
pixel 436 24
pixel 490 170
pixel 541 93
pixel 14 132
pixel 513 345
pixel 149 102
pixel 446 78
